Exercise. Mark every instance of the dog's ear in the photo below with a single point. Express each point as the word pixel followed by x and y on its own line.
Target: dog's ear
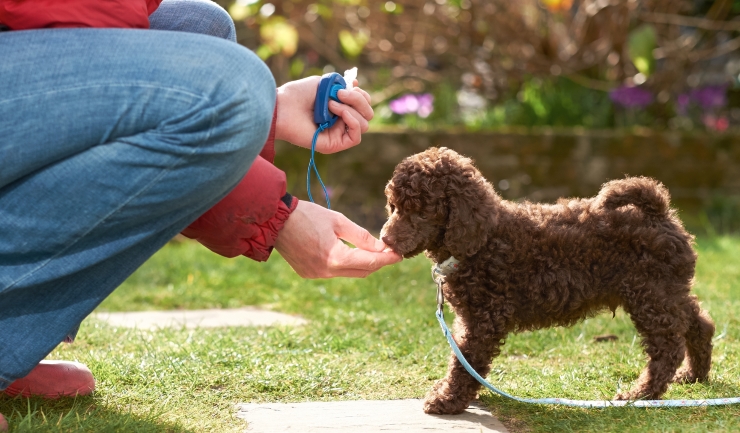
pixel 472 206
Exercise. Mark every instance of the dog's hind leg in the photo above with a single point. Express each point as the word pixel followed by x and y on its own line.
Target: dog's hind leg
pixel 698 345
pixel 453 394
pixel 663 326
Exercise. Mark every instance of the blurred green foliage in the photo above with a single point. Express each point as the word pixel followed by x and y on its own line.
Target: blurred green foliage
pixel 721 215
pixel 555 102
pixel 352 43
pixel 642 42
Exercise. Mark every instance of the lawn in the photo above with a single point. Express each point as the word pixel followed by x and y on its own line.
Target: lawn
pixel 368 339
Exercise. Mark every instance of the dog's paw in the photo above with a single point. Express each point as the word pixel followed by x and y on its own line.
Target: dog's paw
pixel 626 396
pixel 623 396
pixel 684 375
pixel 635 394
pixel 443 405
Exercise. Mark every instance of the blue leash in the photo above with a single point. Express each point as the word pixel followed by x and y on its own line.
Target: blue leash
pixel 312 164
pixel 438 276
pixel 328 87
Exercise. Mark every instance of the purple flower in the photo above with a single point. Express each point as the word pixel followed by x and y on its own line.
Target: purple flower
pixel 426 105
pixel 631 97
pixel 423 104
pixel 710 96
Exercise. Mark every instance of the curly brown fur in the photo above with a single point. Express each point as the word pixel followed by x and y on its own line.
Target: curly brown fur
pixel 527 266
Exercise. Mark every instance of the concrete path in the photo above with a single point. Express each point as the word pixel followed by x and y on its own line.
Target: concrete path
pixel 363 417
pixel 215 318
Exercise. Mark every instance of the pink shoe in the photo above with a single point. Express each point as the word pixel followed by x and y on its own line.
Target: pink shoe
pixel 54 379
pixel 3 424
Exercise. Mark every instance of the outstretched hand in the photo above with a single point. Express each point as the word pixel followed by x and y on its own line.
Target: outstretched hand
pixel 311 242
pixel 295 116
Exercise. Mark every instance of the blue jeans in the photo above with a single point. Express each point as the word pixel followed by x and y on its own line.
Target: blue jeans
pixel 111 142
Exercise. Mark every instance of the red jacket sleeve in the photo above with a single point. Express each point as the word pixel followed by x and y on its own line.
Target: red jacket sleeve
pixel 37 14
pixel 247 221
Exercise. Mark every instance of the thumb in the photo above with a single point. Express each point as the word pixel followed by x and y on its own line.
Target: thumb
pixel 356 235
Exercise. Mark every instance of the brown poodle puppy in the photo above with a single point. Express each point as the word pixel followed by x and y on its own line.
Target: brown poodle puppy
pixel 526 266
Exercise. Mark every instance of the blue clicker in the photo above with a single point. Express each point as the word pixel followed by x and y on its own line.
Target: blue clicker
pixel 329 85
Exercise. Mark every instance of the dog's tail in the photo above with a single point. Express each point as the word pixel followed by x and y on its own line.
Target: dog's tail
pixel 648 195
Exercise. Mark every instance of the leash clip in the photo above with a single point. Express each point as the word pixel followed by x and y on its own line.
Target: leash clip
pixel 439 272
pixel 438 277
pixel 440 297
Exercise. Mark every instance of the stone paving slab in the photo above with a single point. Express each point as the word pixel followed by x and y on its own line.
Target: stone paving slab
pixel 364 416
pixel 215 318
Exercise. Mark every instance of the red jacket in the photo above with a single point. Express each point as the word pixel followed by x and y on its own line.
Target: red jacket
pixel 246 221
pixel 38 14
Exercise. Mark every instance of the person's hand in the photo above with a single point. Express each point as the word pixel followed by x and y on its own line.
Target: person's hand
pixel 311 242
pixel 295 116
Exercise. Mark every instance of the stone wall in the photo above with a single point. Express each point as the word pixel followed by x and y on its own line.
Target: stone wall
pixel 538 166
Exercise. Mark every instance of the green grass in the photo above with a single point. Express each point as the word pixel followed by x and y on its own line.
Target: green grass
pixel 368 339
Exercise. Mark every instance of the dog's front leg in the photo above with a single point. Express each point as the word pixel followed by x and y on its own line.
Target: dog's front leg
pixel 453 394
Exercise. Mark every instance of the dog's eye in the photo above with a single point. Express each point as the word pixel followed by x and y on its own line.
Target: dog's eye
pixel 393 208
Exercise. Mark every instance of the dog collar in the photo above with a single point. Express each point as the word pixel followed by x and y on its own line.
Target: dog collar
pixel 445 268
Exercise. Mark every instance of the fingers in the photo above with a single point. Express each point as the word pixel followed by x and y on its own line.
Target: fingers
pixel 364 94
pixel 358 101
pixel 346 133
pixel 349 273
pixel 349 262
pixel 356 88
pixel 369 256
pixel 339 109
pixel 345 229
pixel 353 131
pixel 357 259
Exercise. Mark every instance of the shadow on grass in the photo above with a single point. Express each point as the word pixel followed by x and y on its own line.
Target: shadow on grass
pixel 85 414
pixel 522 417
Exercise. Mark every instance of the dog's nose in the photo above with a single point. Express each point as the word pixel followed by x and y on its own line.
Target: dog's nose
pixel 388 240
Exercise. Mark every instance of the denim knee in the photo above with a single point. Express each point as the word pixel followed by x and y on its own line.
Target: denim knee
pixel 194 16
pixel 244 95
pixel 258 97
